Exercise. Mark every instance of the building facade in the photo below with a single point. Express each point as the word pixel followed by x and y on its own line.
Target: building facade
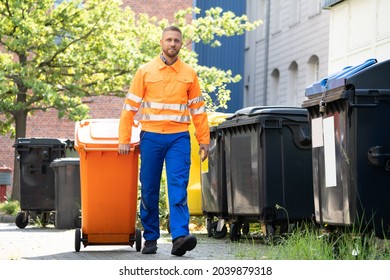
pixel 230 55
pixel 358 30
pixel 300 42
pixel 287 53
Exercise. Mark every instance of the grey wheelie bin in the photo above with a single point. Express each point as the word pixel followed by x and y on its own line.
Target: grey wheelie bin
pixel 349 115
pixel 268 168
pixel 67 193
pixel 37 193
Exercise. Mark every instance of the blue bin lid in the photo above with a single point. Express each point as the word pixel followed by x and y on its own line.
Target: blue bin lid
pixel 337 79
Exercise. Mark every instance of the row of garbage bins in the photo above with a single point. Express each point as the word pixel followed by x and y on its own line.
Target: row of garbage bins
pixel 49 171
pixel 328 160
pixel 260 159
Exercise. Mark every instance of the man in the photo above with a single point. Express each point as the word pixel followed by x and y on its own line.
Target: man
pixel 169 92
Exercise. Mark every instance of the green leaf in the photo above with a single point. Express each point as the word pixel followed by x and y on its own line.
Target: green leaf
pixel 55 56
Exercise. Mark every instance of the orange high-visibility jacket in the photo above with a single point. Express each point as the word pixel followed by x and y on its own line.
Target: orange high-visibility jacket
pixel 169 95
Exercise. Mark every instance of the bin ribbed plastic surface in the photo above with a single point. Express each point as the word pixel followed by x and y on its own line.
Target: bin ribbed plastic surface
pixel 67 192
pixel 350 116
pixel 109 183
pixel 214 200
pixel 37 186
pixel 268 162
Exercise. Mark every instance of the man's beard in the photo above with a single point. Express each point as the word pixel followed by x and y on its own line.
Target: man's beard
pixel 171 52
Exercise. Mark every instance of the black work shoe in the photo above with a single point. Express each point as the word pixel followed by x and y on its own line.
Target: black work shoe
pixel 150 247
pixel 183 244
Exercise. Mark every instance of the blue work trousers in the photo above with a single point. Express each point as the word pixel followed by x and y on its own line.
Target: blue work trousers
pixel 175 150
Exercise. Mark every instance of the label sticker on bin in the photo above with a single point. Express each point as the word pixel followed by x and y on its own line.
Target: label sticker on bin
pixel 316 133
pixel 323 135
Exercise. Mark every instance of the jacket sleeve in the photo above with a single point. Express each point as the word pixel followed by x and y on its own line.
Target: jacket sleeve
pixel 130 107
pixel 197 109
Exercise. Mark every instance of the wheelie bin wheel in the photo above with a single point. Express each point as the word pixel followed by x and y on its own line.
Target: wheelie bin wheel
pixel 209 222
pixel 213 232
pixel 235 232
pixel 138 239
pixel 77 240
pixel 245 229
pixel 45 218
pixel 77 222
pixel 270 230
pixel 21 219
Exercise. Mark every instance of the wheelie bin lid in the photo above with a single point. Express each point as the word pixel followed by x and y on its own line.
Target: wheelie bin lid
pixel 23 145
pixel 338 79
pixel 368 80
pixel 65 162
pixel 101 134
pixel 39 141
pixel 255 114
pixel 262 110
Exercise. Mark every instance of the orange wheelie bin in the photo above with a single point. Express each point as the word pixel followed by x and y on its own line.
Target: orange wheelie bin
pixel 109 185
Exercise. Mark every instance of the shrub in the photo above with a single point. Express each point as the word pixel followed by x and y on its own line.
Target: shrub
pixel 10 207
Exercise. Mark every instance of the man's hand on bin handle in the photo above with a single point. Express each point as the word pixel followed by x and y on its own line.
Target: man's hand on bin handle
pixel 203 151
pixel 123 149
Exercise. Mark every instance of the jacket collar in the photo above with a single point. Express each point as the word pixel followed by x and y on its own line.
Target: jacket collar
pixel 161 63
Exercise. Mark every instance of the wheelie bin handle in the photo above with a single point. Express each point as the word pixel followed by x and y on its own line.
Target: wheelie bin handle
pixel 378 157
pixel 132 149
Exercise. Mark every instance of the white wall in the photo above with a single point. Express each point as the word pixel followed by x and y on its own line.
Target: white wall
pixel 298 31
pixel 359 30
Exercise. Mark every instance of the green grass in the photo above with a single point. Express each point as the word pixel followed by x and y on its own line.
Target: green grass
pixel 309 243
pixel 10 207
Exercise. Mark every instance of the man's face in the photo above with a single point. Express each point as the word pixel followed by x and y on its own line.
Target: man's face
pixel 171 43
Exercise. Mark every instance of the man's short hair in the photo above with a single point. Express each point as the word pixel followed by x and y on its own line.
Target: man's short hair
pixel 172 28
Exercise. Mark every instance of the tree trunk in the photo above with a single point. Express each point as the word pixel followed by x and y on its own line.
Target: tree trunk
pixel 20 123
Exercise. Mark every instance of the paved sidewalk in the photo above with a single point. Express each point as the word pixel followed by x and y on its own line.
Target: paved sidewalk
pixel 6 218
pixel 33 243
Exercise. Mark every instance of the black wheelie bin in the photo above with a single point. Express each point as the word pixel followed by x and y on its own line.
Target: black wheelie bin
pixel 214 197
pixel 349 116
pixel 268 168
pixel 37 186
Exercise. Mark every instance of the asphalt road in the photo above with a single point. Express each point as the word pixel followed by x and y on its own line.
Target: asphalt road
pixel 49 243
pixel 212 258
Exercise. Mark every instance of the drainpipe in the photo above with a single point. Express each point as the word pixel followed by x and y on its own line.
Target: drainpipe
pixel 266 52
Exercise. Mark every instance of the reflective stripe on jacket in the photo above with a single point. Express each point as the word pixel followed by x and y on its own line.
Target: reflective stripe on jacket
pixel 166 97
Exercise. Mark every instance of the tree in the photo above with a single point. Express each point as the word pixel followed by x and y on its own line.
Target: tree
pixel 53 56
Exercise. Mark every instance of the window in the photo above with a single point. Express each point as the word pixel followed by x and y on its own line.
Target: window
pixel 312 70
pixel 292 84
pixel 261 6
pixel 314 7
pixel 256 9
pixel 275 15
pixel 274 94
pixel 294 11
